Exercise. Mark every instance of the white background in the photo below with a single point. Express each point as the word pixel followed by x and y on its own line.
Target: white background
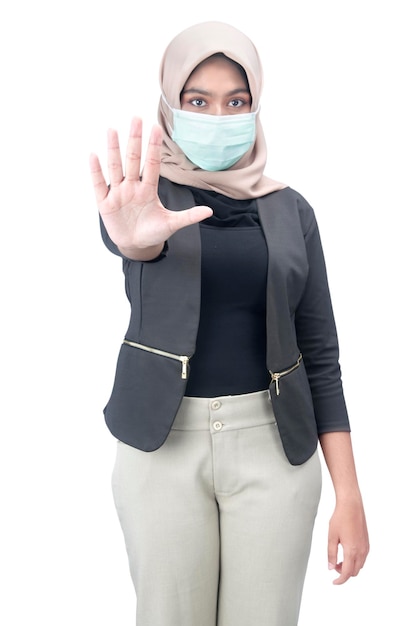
pixel 339 110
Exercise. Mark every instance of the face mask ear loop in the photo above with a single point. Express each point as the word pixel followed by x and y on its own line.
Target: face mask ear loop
pixel 164 99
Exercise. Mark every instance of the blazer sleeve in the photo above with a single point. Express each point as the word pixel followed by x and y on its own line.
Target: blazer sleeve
pixel 317 339
pixel 110 245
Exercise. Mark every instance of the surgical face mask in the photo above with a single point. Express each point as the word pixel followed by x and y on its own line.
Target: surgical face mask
pixel 213 142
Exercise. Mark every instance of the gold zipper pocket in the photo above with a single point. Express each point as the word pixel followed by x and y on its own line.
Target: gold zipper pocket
pixel 276 376
pixel 184 360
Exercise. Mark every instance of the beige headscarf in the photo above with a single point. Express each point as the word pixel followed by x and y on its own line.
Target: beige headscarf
pixel 246 178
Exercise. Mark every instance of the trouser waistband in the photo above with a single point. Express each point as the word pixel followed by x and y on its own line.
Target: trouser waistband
pixel 225 412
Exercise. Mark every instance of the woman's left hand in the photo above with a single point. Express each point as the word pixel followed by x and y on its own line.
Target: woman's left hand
pixel 348 529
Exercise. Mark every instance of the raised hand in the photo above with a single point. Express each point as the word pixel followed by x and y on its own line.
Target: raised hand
pixel 131 210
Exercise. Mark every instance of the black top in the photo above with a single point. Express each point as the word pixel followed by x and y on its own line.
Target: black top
pixel 230 355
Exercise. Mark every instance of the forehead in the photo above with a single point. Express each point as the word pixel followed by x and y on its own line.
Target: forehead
pixel 221 66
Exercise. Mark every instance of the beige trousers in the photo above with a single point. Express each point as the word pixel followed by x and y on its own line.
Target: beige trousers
pixel 217 523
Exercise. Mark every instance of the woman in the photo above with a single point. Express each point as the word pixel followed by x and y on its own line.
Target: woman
pixel 228 374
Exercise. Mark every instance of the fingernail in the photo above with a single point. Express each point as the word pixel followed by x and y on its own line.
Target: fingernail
pixel 330 566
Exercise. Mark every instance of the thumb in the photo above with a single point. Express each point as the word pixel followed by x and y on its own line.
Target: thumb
pixel 181 219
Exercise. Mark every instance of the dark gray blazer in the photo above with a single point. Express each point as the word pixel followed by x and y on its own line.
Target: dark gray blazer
pixel 165 301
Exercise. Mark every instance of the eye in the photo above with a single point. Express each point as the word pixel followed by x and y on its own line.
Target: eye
pixel 236 103
pixel 198 102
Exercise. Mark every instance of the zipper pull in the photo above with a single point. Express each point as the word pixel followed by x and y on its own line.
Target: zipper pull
pixel 275 377
pixel 184 363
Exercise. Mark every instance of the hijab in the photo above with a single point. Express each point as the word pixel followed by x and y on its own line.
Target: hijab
pixel 246 178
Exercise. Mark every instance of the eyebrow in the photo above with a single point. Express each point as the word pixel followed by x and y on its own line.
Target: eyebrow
pixel 204 92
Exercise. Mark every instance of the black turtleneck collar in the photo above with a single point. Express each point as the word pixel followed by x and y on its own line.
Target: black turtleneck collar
pixel 226 211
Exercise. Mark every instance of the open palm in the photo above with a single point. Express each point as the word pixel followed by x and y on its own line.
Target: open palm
pixel 131 210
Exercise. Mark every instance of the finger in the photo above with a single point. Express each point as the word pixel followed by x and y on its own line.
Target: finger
pixel 114 160
pixel 133 152
pixel 181 219
pixel 98 180
pixel 340 580
pixel 332 552
pixel 151 171
pixel 346 570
